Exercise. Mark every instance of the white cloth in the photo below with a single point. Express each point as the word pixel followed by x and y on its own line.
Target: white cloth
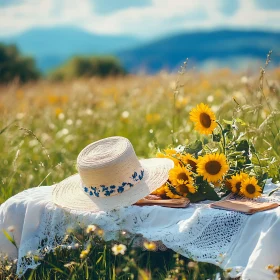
pixel 241 243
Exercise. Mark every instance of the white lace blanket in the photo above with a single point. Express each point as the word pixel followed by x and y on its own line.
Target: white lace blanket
pixel 243 244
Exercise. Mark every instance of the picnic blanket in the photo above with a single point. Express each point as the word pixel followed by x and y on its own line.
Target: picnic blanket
pixel 242 244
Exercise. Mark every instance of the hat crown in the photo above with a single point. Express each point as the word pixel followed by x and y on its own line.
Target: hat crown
pixel 108 162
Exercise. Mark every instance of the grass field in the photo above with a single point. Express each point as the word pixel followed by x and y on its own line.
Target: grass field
pixel 43 126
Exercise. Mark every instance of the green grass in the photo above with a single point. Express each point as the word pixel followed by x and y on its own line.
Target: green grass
pixel 43 127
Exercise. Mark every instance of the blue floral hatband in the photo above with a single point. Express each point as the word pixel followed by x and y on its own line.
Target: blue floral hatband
pixel 105 191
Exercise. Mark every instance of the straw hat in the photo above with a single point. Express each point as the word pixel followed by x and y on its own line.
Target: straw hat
pixel 110 176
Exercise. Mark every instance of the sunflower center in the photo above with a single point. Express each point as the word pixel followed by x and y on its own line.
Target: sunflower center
pixel 183 189
pixel 192 164
pixel 213 167
pixel 228 185
pixel 205 120
pixel 250 189
pixel 238 186
pixel 182 176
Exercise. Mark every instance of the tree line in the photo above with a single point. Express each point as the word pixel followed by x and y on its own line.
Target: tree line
pixel 16 67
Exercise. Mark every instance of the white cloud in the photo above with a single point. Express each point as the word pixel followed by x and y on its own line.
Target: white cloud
pixel 158 18
pixel 102 7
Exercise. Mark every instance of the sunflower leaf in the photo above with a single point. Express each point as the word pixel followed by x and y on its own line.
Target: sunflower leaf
pixel 217 137
pixel 243 145
pixel 227 122
pixel 194 148
pixel 204 192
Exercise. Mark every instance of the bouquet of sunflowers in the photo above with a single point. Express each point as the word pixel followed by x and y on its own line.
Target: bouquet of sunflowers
pixel 221 163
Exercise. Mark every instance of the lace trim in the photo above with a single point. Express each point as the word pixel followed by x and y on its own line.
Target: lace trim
pixel 200 234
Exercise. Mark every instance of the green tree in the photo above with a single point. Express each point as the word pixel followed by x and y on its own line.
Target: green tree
pixel 15 66
pixel 78 67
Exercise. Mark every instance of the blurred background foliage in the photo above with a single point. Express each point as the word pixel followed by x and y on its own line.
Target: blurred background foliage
pixel 78 67
pixel 14 66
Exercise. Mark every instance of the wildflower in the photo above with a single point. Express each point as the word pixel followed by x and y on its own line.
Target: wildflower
pixel 19 94
pixel 76 246
pixel 20 116
pixel 64 99
pixel 100 232
pixel 244 80
pixel 84 254
pixel 89 112
pixel 90 228
pixel 61 116
pixel 69 122
pixel 270 266
pixel 70 265
pixel 119 249
pixel 181 102
pixel 228 270
pixel 8 267
pixel 53 99
pixel 150 246
pixel 204 119
pixel 11 228
pixel 153 118
pixel 125 116
pixel 29 254
pixel 58 111
pixel 192 264
pixel 250 188
pixel 79 122
pixel 210 98
pixel 69 230
pixel 212 167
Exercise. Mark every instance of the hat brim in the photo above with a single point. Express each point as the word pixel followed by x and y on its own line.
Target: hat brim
pixel 69 193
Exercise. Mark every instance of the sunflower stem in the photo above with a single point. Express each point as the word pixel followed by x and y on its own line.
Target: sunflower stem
pixel 224 139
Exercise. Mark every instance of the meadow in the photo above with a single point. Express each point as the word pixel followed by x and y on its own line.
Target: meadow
pixel 44 125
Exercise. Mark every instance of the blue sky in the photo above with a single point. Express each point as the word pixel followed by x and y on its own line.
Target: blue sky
pixel 140 18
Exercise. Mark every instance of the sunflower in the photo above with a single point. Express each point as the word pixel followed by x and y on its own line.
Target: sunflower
pixel 170 156
pixel 188 159
pixel 212 167
pixel 169 193
pixel 170 152
pixel 250 187
pixel 228 184
pixel 160 191
pixel 204 119
pixel 182 188
pixel 236 181
pixel 180 173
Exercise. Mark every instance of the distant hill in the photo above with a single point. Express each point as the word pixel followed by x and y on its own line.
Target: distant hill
pixel 227 48
pixel 235 49
pixel 52 46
